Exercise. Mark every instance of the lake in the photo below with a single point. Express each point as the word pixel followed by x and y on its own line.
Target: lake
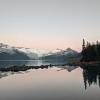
pixel 56 83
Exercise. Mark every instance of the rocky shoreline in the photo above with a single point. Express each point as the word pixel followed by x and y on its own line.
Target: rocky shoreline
pixel 85 65
pixel 25 68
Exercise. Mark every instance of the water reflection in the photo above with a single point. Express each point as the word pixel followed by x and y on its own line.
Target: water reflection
pixel 91 77
pixel 4 74
pixel 59 68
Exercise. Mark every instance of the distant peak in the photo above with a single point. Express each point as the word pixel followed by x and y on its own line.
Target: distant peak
pixel 68 49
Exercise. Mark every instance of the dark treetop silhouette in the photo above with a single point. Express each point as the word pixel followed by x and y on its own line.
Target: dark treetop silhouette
pixel 90 52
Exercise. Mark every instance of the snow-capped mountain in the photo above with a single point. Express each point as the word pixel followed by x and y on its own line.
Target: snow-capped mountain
pixel 68 51
pixel 6 48
pixel 15 53
pixel 29 52
pixel 32 52
pixel 61 54
pixel 11 52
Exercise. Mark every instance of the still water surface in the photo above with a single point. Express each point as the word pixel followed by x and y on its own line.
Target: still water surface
pixel 56 83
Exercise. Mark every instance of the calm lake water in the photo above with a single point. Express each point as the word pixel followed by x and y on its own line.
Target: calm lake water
pixel 56 83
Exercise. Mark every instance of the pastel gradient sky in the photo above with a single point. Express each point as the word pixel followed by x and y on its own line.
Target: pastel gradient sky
pixel 49 24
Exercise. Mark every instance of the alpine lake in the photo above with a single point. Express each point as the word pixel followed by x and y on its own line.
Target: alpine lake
pixel 52 83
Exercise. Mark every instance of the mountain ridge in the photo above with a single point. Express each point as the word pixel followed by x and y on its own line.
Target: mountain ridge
pixel 11 52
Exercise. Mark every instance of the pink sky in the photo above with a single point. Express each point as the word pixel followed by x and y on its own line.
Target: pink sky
pixel 49 24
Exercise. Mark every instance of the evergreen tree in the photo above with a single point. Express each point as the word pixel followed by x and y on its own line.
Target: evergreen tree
pixel 91 52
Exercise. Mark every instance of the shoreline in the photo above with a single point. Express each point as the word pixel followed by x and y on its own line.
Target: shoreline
pixel 25 68
pixel 87 65
pixel 84 65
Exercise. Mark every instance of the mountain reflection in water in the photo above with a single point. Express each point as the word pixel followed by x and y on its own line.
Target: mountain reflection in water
pixel 35 66
pixel 46 83
pixel 90 76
